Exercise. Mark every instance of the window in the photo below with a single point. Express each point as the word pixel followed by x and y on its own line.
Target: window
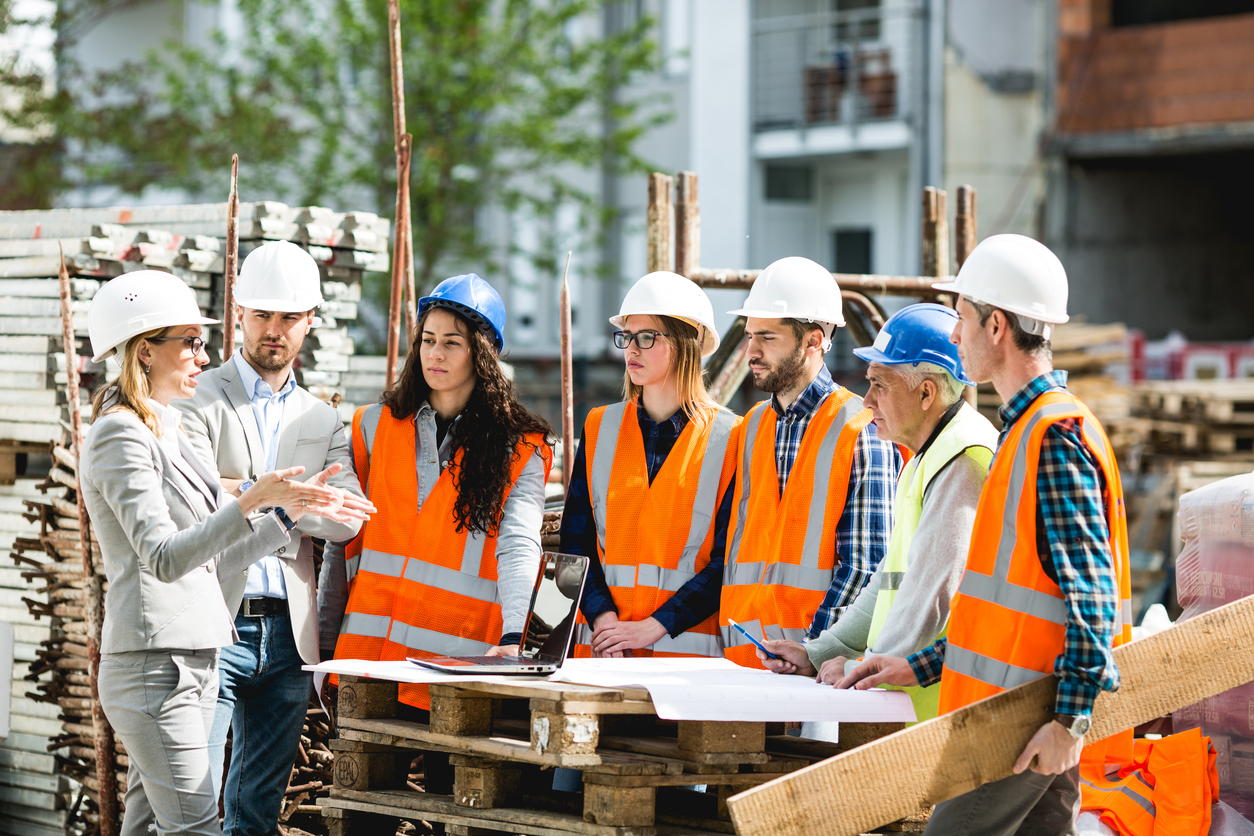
pixel 851 250
pixel 1137 12
pixel 857 27
pixel 790 182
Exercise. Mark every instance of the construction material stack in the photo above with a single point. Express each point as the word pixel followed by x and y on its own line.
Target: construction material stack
pixel 42 592
pixel 1214 568
pixel 1095 358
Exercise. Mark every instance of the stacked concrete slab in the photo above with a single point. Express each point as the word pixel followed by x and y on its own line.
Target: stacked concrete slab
pixel 47 770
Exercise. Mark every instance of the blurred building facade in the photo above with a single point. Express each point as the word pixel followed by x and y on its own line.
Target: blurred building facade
pixel 1151 162
pixel 1121 132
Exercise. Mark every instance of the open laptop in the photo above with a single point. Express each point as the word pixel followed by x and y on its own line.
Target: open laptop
pixel 550 626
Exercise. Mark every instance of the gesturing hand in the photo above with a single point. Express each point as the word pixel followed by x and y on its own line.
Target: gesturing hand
pixel 345 507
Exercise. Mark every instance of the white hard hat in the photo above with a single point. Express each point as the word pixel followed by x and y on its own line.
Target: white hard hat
pixel 1017 274
pixel 669 294
pixel 796 288
pixel 137 302
pixel 279 276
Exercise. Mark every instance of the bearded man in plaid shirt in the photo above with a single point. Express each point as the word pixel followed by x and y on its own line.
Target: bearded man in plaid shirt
pixel 814 487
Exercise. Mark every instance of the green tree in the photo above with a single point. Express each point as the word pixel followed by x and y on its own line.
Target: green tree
pixel 504 99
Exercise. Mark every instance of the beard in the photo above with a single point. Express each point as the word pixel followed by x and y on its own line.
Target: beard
pixel 270 360
pixel 784 375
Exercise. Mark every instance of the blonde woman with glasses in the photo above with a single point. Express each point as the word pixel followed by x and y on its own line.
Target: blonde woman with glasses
pixel 650 495
pixel 167 533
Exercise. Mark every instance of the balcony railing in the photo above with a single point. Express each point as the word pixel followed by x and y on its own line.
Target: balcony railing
pixel 836 68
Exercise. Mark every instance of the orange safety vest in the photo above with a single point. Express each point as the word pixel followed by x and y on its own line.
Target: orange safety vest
pixel 781 557
pixel 654 538
pixel 1007 622
pixel 1163 786
pixel 417 585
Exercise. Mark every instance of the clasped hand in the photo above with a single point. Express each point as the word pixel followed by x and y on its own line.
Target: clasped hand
pixel 614 639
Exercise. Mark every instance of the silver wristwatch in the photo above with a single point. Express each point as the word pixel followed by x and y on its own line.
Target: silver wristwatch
pixel 1077 725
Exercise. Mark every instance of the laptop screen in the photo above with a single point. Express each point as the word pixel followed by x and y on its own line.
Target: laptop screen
pixel 554 605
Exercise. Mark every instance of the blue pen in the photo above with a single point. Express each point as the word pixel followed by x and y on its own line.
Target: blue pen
pixel 759 644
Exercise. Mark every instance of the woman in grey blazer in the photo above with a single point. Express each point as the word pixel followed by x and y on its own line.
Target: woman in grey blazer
pixel 167 532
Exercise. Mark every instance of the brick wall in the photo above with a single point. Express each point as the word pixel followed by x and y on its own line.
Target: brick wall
pixel 1192 72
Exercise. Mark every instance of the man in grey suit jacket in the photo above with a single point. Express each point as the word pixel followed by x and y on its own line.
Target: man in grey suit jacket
pixel 250 417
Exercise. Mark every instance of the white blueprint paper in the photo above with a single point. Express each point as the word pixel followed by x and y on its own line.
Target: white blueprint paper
pixel 687 689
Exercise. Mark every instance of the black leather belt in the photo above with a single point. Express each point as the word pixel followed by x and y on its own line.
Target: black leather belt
pixel 257 607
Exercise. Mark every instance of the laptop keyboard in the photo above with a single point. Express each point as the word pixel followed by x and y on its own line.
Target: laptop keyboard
pixel 493 660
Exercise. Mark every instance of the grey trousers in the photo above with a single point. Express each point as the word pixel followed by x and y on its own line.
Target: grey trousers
pixel 1029 804
pixel 161 705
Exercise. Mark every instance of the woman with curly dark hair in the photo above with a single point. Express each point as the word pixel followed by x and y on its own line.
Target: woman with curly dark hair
pixel 456 467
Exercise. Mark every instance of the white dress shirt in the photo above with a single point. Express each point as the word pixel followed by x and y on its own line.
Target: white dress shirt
pixel 169 438
pixel 265 577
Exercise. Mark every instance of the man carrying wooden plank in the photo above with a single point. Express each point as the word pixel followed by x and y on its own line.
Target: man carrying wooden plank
pixel 249 417
pixel 916 397
pixel 1046 586
pixel 814 488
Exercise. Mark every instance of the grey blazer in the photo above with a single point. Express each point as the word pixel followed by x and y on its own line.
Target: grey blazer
pixel 165 540
pixel 222 428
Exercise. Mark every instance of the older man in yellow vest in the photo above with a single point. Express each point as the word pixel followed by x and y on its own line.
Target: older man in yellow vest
pixel 916 397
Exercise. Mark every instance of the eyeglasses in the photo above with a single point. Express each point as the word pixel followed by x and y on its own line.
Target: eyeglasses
pixel 644 339
pixel 194 343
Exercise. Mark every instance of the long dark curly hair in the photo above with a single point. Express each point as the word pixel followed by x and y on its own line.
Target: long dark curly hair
pixel 490 428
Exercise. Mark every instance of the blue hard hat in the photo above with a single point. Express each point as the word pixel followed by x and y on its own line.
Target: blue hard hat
pixel 917 334
pixel 475 299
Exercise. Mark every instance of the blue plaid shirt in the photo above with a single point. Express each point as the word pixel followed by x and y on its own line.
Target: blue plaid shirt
pixel 864 528
pixel 1073 540
pixel 693 602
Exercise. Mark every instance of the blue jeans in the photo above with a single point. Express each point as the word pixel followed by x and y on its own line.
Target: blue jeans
pixel 263 694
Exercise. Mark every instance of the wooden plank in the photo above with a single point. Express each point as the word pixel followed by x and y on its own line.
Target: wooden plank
pixel 416 736
pixel 667 747
pixel 700 737
pixel 590 707
pixel 539 689
pixel 620 806
pixel 409 805
pixel 953 754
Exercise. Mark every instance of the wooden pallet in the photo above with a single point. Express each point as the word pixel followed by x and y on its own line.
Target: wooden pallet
pixel 1209 401
pixel 503 739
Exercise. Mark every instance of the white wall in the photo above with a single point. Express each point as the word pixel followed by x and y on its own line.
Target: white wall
pixel 994 113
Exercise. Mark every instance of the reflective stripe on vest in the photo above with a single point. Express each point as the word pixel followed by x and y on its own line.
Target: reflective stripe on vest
pixel 968 433
pixel 781 562
pixel 652 538
pixel 1007 621
pixel 421 587
pixel 366 421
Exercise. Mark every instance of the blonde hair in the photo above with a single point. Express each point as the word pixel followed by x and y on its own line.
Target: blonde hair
pixel 131 390
pixel 685 342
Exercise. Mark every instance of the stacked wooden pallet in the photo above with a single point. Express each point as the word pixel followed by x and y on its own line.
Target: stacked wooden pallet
pixel 1091 355
pixel 503 739
pixel 1214 417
